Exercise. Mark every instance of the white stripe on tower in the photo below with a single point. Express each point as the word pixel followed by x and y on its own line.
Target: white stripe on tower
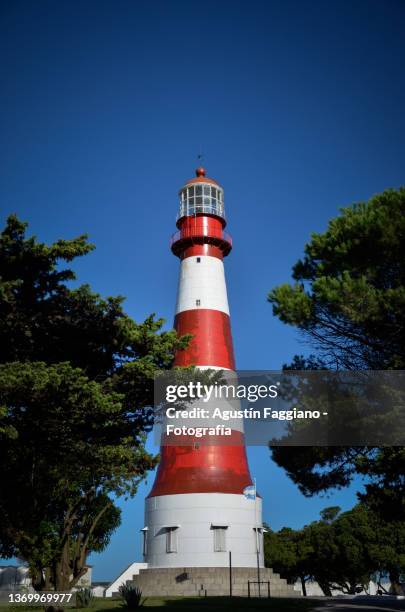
pixel 202 284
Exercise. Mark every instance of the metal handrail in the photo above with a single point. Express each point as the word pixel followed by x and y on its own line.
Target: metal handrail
pixel 199 231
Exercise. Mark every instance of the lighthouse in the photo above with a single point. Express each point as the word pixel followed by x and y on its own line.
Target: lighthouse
pixel 198 510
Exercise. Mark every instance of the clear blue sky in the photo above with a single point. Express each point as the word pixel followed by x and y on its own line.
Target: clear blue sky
pixel 298 107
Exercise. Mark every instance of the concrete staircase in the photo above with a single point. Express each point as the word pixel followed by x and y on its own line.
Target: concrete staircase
pixel 210 581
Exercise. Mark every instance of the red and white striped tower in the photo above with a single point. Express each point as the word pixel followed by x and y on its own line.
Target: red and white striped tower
pixel 196 511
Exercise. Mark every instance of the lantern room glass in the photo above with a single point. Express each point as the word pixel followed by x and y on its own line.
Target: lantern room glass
pixel 201 199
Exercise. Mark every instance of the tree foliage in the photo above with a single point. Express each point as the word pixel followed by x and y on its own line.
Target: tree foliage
pixel 348 295
pixel 289 552
pixel 341 551
pixel 76 382
pixel 348 299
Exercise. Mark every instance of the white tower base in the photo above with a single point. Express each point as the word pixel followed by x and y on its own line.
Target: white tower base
pixel 200 529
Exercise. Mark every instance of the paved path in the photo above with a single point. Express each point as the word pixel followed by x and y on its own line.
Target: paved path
pixel 372 604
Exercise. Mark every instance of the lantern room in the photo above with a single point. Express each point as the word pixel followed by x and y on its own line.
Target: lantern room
pixel 201 196
pixel 201 219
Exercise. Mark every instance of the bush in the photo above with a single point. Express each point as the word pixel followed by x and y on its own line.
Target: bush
pixel 131 595
pixel 84 598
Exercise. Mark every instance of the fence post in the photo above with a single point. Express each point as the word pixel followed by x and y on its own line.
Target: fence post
pixel 230 574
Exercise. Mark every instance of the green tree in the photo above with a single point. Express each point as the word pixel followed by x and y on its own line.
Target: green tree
pixel 305 554
pixel 341 551
pixel 348 301
pixel 388 551
pixel 76 383
pixel 348 295
pixel 353 534
pixel 289 553
pixel 366 546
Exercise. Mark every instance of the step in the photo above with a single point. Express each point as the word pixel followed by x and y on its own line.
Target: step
pixel 214 581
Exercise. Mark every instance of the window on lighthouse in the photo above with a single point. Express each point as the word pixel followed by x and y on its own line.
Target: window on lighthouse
pixel 145 541
pixel 258 533
pixel 171 539
pixel 219 538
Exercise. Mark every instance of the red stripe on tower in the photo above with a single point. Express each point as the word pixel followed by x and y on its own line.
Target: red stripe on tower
pixel 211 343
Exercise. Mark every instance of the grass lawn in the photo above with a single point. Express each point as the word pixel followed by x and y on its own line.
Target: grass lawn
pixel 216 604
pixel 191 604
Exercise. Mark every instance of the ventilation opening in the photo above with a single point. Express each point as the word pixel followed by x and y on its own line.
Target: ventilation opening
pixel 171 539
pixel 258 532
pixel 198 259
pixel 145 541
pixel 198 302
pixel 219 538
